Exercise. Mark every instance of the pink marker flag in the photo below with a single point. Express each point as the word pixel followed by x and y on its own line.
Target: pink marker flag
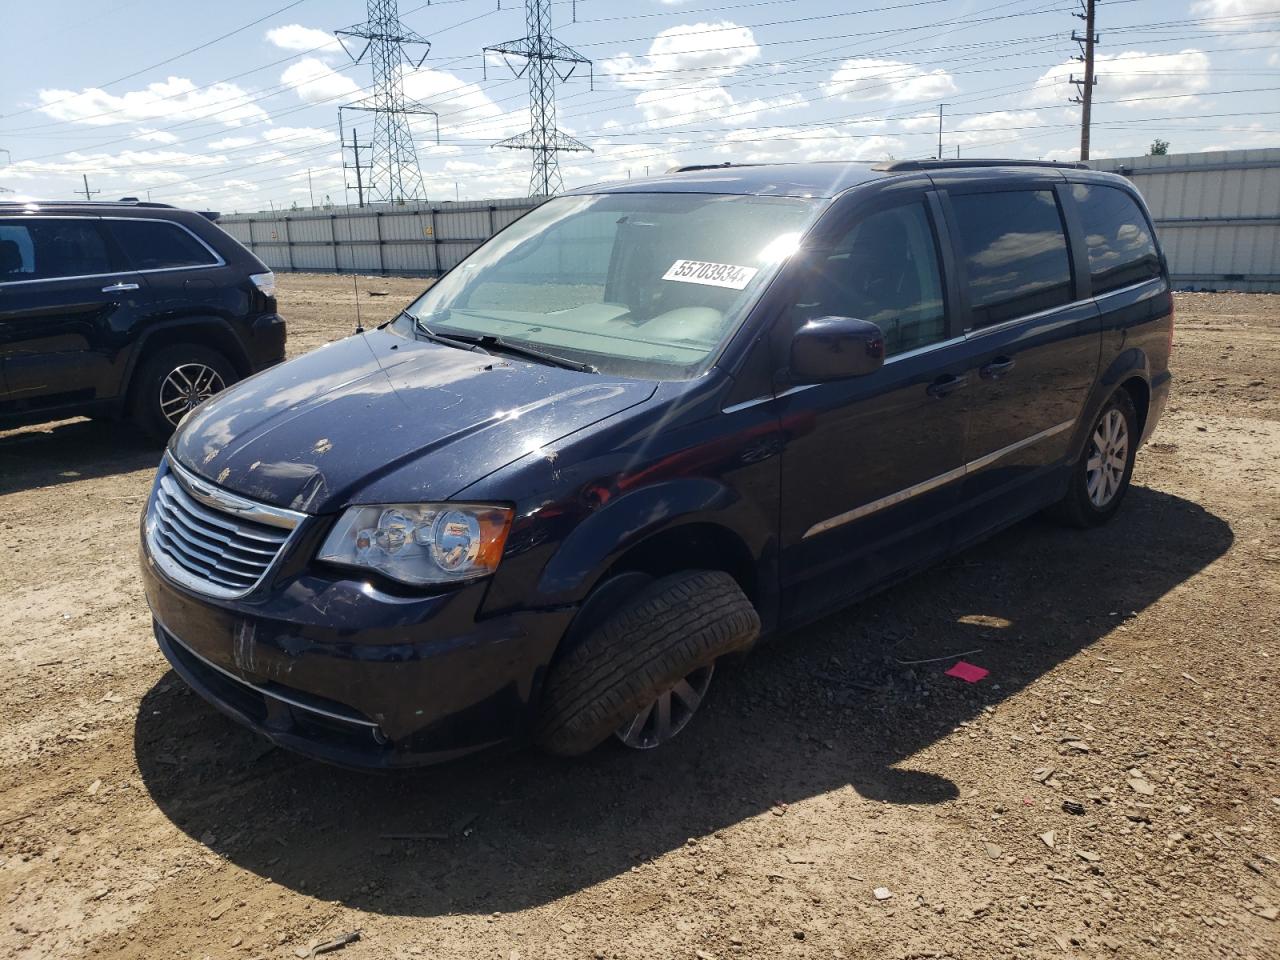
pixel 967 672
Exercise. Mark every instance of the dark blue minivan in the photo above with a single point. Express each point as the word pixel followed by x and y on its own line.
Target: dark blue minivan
pixel 640 428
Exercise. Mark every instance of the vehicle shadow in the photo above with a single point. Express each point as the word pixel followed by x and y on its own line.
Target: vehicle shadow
pixel 827 707
pixel 70 450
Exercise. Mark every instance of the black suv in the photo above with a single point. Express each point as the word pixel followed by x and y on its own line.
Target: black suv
pixel 641 427
pixel 126 309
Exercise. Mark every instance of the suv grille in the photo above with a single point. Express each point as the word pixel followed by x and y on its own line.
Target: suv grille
pixel 211 540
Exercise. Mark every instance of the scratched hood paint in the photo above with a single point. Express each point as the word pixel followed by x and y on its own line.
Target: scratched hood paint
pixel 376 414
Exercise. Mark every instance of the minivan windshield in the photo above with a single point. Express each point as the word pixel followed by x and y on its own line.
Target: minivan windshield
pixel 633 284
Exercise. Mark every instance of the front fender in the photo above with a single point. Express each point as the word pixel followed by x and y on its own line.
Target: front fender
pixel 600 540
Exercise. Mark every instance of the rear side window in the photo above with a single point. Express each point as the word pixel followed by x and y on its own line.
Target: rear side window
pixel 51 249
pixel 1122 251
pixel 156 245
pixel 1015 253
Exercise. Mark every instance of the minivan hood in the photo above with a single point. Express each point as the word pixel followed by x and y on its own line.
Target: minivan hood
pixel 312 433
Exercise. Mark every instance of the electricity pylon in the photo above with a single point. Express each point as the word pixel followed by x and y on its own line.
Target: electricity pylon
pixel 542 53
pixel 394 175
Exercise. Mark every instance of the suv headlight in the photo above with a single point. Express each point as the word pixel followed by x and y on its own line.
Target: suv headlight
pixel 420 543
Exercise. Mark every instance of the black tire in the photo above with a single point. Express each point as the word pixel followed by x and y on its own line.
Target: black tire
pixel 146 410
pixel 674 626
pixel 1077 508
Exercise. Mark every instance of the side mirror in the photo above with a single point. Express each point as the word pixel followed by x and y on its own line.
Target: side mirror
pixel 835 348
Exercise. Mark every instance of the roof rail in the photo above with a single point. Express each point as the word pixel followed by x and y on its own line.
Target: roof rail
pixel 896 166
pixel 689 167
pixel 126 202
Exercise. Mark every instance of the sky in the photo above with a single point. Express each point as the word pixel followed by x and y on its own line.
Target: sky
pixel 233 106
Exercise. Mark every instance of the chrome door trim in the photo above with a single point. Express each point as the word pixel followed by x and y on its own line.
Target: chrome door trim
pixel 219 261
pixel 1131 287
pixel 891 500
pixel 933 483
pixel 228 502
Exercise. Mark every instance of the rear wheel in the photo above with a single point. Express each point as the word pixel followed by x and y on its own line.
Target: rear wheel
pixel 1101 477
pixel 174 381
pixel 643 673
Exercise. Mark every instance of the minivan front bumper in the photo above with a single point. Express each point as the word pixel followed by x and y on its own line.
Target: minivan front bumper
pixel 343 672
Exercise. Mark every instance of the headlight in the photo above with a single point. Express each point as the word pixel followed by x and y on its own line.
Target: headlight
pixel 420 543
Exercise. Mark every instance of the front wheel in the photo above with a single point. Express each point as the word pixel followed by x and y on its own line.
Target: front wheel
pixel 1101 477
pixel 174 381
pixel 642 674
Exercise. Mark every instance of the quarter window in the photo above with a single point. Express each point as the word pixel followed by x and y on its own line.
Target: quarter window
pixel 1015 253
pixel 51 249
pixel 156 245
pixel 884 270
pixel 1121 249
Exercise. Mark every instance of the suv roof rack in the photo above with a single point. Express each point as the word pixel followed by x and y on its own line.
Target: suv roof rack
pixel 899 165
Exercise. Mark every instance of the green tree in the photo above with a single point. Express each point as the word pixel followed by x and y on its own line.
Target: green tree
pixel 1159 148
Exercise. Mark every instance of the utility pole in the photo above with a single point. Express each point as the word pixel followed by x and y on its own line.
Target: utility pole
pixel 940 106
pixel 88 194
pixel 542 53
pixel 1086 85
pixel 311 189
pixel 355 146
pixel 394 175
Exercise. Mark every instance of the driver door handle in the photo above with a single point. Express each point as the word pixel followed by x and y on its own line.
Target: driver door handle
pixel 946 384
pixel 120 287
pixel 996 369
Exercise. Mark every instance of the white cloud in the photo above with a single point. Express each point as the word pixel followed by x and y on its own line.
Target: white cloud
pixel 230 143
pixel 108 164
pixel 864 79
pixel 707 50
pixel 679 78
pixel 316 82
pixel 147 135
pixel 299 136
pixel 1131 75
pixel 295 36
pixel 176 98
pixel 465 109
pixel 1250 10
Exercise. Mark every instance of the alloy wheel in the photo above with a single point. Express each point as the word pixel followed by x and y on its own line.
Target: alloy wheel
pixel 1108 457
pixel 186 387
pixel 668 714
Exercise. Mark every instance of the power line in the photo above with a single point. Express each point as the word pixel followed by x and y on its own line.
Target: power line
pixel 176 56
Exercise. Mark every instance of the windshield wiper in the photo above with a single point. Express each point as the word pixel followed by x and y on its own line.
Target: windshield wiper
pixel 494 344
pixel 490 344
pixel 421 328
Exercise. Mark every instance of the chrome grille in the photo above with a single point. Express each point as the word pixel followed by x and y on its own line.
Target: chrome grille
pixel 209 539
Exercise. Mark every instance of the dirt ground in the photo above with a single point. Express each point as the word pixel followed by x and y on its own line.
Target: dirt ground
pixel 1112 789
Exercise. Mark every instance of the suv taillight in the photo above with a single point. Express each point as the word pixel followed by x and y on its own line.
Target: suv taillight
pixel 265 282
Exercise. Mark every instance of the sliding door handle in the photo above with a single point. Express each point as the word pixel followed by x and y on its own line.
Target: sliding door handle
pixel 996 369
pixel 120 287
pixel 948 384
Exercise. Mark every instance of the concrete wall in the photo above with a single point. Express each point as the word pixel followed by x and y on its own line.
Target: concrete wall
pixel 1217 214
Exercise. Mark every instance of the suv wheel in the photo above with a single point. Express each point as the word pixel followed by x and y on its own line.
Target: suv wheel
pixel 175 380
pixel 641 675
pixel 1100 479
